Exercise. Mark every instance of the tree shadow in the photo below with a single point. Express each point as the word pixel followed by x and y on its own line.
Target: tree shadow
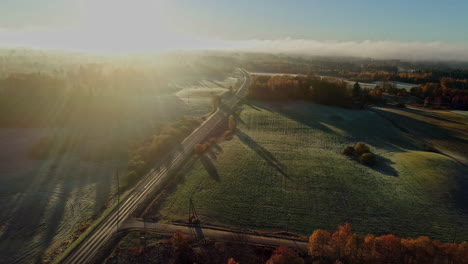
pixel 451 143
pixel 302 118
pixel 217 148
pixel 42 189
pixel 239 119
pixel 252 106
pixel 383 165
pixel 423 128
pixel 354 128
pixel 210 167
pixel 197 231
pixel 459 195
pixel 261 151
pixel 425 114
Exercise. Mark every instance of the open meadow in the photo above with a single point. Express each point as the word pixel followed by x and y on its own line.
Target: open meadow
pixel 284 171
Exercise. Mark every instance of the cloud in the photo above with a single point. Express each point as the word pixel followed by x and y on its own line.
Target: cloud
pixel 371 49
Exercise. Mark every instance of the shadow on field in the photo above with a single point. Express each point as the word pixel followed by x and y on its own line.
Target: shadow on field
pixel 253 107
pixel 356 129
pixel 210 167
pixel 425 114
pixel 459 195
pixel 239 119
pixel 383 166
pixel 217 148
pixel 429 130
pixel 261 151
pixel 451 141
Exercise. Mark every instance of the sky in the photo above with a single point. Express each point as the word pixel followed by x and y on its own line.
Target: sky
pixel 435 29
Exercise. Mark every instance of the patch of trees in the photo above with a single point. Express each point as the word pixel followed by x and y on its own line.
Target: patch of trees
pixel 360 152
pixel 344 246
pixel 155 149
pixel 327 91
pixel 448 93
pixel 285 255
pixel 284 88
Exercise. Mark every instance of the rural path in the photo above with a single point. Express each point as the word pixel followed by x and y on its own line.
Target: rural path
pixel 87 249
pixel 214 234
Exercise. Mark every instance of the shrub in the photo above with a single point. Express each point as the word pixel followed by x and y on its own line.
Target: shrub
pixel 285 255
pixel 198 148
pixel 349 151
pixel 213 141
pixel 367 159
pixel 361 148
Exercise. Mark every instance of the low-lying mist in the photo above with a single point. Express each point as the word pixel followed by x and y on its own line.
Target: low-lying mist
pixel 420 51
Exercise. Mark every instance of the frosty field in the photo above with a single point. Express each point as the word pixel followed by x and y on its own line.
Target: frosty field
pixel 284 171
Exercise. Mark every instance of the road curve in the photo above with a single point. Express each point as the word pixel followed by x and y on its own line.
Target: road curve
pixel 90 246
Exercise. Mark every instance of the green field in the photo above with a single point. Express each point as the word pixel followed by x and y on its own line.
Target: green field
pixel 283 170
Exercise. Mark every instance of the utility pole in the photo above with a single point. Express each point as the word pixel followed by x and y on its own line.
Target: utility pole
pixel 193 217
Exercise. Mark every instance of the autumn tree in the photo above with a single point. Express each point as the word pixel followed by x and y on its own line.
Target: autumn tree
pixel 199 148
pixel 232 123
pixel 319 244
pixel 232 261
pixel 388 249
pixel 340 239
pixel 285 255
pixel 346 247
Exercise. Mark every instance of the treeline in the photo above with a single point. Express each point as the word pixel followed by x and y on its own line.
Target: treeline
pixel 327 91
pixel 356 69
pixel 448 92
pixel 416 77
pixel 344 246
pixel 155 149
pixel 284 88
pixel 41 99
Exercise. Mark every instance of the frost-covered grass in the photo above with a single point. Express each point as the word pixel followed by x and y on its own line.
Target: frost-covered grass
pixel 284 170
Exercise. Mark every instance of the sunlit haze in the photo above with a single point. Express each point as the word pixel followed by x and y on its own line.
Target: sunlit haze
pixel 233 131
pixel 361 28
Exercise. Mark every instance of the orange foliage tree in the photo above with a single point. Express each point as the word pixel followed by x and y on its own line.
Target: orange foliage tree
pixel 285 255
pixel 232 261
pixel 343 246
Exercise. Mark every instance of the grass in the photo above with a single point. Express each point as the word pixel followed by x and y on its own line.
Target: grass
pixel 90 229
pixel 445 130
pixel 284 171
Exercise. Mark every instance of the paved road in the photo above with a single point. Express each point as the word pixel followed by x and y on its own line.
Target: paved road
pixel 214 234
pixel 90 246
